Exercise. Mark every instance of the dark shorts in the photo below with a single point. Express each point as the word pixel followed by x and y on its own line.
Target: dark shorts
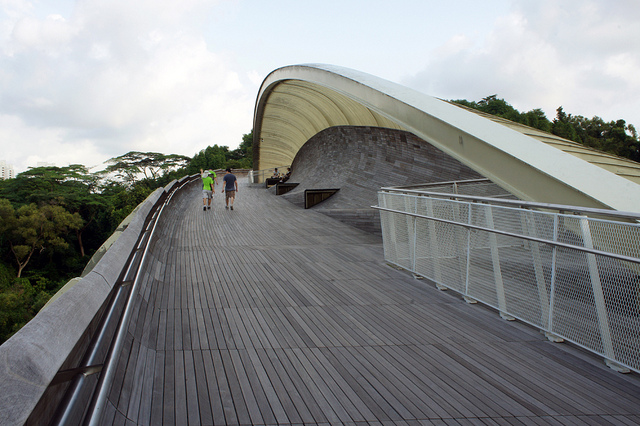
pixel 229 194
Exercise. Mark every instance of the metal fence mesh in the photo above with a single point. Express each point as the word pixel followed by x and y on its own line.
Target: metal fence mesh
pixel 549 269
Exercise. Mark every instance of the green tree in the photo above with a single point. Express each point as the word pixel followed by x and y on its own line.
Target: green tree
pixel 135 165
pixel 212 157
pixel 72 187
pixel 615 137
pixel 563 126
pixel 219 157
pixel 537 119
pixel 124 199
pixel 501 108
pixel 31 229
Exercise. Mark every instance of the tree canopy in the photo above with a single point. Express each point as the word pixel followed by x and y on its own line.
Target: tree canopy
pixel 53 218
pixel 615 137
pixel 31 228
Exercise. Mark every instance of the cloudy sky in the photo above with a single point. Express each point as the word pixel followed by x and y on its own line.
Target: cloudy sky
pixel 82 81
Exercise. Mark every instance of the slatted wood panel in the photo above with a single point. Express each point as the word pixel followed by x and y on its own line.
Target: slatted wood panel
pixel 272 314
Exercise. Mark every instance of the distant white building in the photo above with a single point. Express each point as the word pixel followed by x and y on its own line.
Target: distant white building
pixel 6 170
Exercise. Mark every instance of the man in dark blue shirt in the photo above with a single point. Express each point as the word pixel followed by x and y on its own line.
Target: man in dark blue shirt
pixel 230 188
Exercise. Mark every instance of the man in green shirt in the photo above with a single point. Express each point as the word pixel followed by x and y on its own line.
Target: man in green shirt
pixel 208 189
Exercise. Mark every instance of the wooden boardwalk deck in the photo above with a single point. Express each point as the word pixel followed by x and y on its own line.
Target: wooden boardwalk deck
pixel 271 314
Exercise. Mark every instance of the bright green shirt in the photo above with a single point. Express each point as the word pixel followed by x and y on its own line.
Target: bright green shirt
pixel 207 183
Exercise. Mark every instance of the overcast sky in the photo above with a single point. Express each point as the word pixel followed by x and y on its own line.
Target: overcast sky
pixel 83 81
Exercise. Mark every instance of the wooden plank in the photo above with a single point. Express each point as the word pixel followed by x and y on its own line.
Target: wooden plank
pixel 224 339
pixel 108 417
pixel 131 354
pixel 191 387
pixel 378 403
pixel 446 404
pixel 385 386
pixel 281 328
pixel 225 412
pixel 417 362
pixel 396 376
pixel 157 401
pixel 169 398
pixel 461 381
pixel 198 320
pixel 585 397
pixel 146 393
pixel 258 337
pixel 358 411
pixel 133 406
pixel 318 410
pixel 235 402
pixel 201 395
pixel 180 387
pixel 289 405
pixel 261 394
pixel 267 330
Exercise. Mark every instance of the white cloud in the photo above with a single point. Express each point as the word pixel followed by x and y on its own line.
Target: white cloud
pixel 104 77
pixel 44 145
pixel 583 55
pixel 116 76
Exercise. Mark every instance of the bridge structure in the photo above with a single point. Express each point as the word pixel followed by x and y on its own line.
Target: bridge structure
pixel 278 312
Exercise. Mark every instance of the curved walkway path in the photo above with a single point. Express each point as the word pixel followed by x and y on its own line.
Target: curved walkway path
pixel 272 314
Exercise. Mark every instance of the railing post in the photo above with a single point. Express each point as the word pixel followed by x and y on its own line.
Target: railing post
pixel 388 230
pixel 552 291
pixel 434 246
pixel 495 259
pixel 467 296
pixel 598 295
pixel 543 298
pixel 415 236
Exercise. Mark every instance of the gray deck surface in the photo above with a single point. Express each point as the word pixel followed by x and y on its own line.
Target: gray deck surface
pixel 272 314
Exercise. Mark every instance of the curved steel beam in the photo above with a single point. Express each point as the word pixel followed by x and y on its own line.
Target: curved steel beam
pixel 296 102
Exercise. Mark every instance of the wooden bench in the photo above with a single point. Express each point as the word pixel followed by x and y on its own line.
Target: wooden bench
pixel 271 181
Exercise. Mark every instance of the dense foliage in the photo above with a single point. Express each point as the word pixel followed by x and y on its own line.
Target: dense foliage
pixel 615 137
pixel 52 219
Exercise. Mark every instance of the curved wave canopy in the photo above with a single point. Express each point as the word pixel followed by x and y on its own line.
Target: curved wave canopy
pixel 296 102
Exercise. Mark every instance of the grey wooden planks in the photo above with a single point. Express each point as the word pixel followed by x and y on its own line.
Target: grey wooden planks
pixel 272 314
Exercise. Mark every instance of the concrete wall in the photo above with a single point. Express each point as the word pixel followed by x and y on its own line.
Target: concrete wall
pixel 360 160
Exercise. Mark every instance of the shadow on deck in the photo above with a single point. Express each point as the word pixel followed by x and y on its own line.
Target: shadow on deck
pixel 272 314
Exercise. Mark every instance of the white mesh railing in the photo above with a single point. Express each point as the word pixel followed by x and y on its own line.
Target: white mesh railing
pixel 574 276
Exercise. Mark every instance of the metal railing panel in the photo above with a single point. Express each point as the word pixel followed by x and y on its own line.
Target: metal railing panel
pixel 573 276
pixel 441 247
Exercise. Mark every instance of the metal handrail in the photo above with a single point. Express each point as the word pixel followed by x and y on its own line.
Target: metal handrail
pixel 518 203
pixel 106 377
pixel 72 407
pixel 521 236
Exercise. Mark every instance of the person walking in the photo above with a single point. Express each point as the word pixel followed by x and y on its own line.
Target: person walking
pixel 208 189
pixel 230 188
pixel 205 173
